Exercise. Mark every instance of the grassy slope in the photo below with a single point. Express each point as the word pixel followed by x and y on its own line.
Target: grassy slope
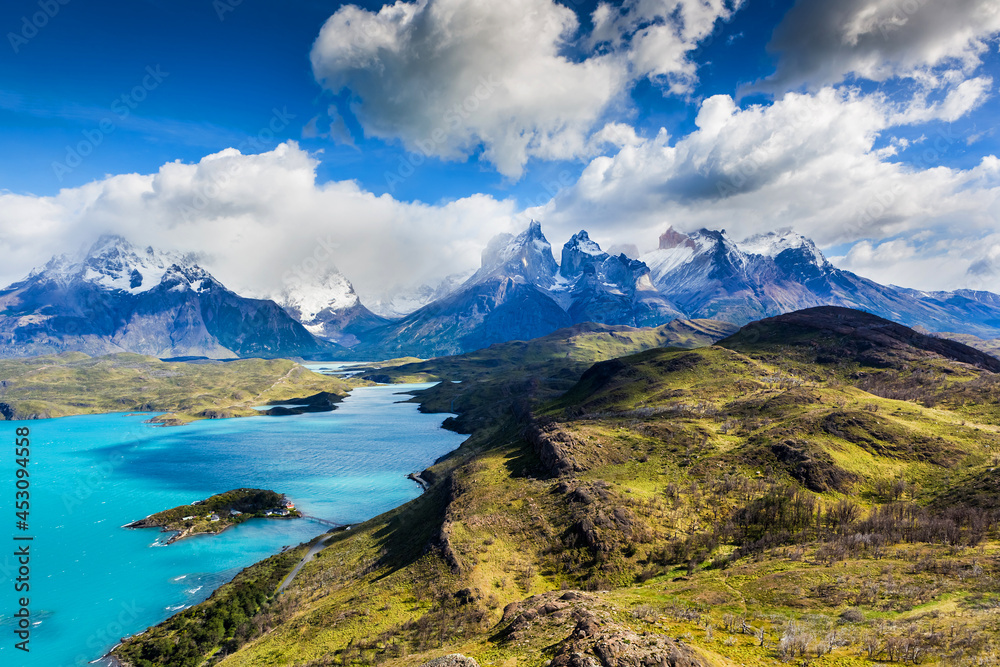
pixel 478 382
pixel 990 346
pixel 724 496
pixel 74 384
pixel 582 344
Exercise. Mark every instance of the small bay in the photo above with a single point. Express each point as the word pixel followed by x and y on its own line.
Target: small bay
pixel 93 582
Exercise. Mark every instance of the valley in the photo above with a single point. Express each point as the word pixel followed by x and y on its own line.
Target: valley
pixel 819 488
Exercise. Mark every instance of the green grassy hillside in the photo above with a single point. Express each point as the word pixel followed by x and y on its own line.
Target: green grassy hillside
pixel 75 384
pixel 817 489
pixel 483 384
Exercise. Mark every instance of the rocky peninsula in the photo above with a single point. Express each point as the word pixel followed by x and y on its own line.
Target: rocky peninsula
pixel 219 512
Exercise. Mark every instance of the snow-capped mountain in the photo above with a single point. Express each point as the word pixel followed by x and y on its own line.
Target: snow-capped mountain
pixel 115 264
pixel 329 308
pixel 506 299
pixel 610 289
pixel 521 293
pixel 706 274
pixel 118 298
pixel 121 298
pixel 777 243
pixel 401 300
pixel 527 257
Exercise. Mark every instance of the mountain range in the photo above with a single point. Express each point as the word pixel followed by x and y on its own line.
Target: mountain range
pixel 520 292
pixel 121 298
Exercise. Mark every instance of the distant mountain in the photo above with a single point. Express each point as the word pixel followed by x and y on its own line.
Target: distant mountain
pixel 706 274
pixel 329 308
pixel 119 298
pixel 508 298
pixel 520 292
pixel 401 300
pixel 988 346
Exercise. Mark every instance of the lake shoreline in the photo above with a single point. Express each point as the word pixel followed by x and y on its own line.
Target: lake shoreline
pixel 342 468
pixel 218 513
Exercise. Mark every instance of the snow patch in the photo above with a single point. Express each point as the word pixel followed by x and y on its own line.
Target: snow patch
pixel 583 243
pixel 332 291
pixel 115 264
pixel 773 244
pixel 664 260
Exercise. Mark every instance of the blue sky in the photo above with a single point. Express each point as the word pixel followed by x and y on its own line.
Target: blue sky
pixel 230 65
pixel 143 84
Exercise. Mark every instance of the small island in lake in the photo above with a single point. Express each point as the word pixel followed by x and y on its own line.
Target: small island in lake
pixel 221 511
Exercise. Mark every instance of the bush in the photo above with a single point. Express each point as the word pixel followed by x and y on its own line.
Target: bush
pixel 852 615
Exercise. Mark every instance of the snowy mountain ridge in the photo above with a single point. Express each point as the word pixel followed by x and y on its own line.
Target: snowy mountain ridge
pixel 113 263
pixel 333 290
pixel 773 244
pixel 118 298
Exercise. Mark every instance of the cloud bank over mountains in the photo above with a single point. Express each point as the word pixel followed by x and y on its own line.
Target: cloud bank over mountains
pixel 254 220
pixel 517 84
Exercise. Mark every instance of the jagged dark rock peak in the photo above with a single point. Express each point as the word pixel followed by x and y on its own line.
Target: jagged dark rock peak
pixel 527 256
pixel 520 293
pixel 610 289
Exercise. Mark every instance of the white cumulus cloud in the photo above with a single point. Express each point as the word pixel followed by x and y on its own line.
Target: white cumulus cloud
pixel 451 77
pixel 257 220
pixel 807 161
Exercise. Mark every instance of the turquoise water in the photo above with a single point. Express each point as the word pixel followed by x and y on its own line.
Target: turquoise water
pixel 93 582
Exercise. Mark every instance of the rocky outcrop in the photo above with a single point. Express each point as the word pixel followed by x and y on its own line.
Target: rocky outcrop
pixel 443 543
pixel 554 447
pixel 520 618
pixel 12 413
pixel 600 643
pixel 597 638
pixel 453 660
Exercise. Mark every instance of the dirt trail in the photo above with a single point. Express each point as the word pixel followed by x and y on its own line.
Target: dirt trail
pixel 313 550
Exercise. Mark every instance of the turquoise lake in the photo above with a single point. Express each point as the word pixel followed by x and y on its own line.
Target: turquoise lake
pixel 93 582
